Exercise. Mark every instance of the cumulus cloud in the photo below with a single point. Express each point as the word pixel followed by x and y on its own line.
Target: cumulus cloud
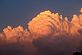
pixel 48 23
pixel 48 34
pixel 45 23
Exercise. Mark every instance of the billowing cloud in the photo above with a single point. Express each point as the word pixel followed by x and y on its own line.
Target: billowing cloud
pixel 48 23
pixel 47 34
pixel 45 24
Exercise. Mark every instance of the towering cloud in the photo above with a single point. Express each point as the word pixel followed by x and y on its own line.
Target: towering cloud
pixel 48 34
pixel 48 23
pixel 54 26
pixel 45 24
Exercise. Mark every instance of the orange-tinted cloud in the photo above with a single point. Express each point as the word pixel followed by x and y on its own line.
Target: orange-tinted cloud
pixel 48 23
pixel 47 34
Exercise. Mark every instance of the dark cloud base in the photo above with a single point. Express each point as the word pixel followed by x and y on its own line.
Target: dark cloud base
pixel 49 45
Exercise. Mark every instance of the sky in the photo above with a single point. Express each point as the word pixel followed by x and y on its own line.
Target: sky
pixel 20 12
